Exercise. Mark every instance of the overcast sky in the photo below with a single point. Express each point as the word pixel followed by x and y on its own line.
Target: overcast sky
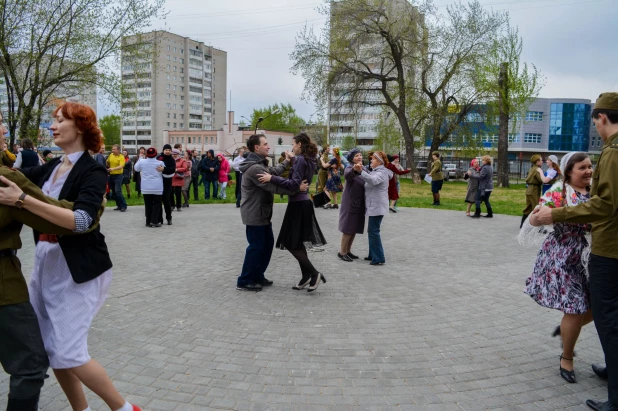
pixel 572 42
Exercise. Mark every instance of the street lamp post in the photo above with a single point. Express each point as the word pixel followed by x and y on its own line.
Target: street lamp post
pixel 264 118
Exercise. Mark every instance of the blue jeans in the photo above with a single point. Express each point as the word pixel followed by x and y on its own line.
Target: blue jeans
pixel 376 251
pixel 257 257
pixel 398 191
pixel 116 186
pixel 215 189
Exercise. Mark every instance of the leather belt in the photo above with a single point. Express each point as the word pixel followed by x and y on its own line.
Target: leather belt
pixel 48 238
pixel 7 252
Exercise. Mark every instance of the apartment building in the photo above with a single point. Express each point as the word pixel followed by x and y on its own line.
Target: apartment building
pixel 170 83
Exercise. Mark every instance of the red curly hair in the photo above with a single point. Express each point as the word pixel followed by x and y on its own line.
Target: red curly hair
pixel 85 121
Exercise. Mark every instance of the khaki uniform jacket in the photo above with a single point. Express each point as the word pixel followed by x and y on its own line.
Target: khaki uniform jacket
pixel 602 208
pixel 13 289
pixel 436 171
pixel 322 173
pixel 533 191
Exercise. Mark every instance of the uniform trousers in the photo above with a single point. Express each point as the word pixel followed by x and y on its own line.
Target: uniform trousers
pixel 167 199
pixel 604 301
pixel 152 203
pixel 237 190
pixel 22 354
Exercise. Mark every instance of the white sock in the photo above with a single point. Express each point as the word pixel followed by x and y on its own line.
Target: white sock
pixel 88 409
pixel 126 407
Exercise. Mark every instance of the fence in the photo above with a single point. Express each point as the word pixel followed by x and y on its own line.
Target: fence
pixel 518 169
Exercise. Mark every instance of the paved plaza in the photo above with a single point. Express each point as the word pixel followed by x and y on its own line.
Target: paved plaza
pixel 444 325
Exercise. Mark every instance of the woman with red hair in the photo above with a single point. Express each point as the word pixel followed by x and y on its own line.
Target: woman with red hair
pixel 70 282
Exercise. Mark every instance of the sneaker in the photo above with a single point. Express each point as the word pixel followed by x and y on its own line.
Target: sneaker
pixel 265 282
pixel 249 287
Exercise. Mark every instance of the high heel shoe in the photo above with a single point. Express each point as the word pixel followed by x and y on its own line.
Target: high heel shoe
pixel 568 376
pixel 317 282
pixel 301 285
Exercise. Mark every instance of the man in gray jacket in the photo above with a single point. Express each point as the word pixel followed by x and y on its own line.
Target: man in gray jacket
pixel 256 210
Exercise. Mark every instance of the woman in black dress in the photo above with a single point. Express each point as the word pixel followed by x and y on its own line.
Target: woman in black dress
pixel 300 228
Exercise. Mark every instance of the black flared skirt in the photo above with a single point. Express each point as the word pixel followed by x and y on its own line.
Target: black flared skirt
pixel 300 227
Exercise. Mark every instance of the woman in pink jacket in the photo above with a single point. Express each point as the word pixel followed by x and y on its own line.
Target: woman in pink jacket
pixel 224 170
pixel 178 180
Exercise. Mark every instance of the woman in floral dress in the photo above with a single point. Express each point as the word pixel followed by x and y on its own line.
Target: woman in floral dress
pixel 334 185
pixel 559 278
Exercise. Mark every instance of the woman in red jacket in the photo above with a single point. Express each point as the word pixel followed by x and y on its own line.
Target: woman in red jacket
pixel 224 170
pixel 178 180
pixel 393 192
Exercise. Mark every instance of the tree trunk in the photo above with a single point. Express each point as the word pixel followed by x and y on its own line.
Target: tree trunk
pixel 503 132
pixel 408 137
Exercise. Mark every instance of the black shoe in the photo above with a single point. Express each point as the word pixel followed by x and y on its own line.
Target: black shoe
pixel 237 205
pixel 392 210
pixel 380 263
pixel 178 209
pixel 344 257
pixel 600 370
pixel 302 284
pixel 148 225
pixel 265 282
pixel 169 222
pixel 488 216
pixel 601 406
pixel 122 210
pixel 314 287
pixel 249 287
pixel 352 256
pixel 156 225
pixel 367 258
pixel 568 376
pixel 475 216
pixel 117 209
pixel 556 332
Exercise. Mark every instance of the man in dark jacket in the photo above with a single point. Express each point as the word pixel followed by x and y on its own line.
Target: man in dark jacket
pixel 195 174
pixel 209 167
pixel 256 210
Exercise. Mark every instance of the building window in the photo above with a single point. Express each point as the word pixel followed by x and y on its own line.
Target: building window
pixel 532 138
pixel 168 105
pixel 513 138
pixel 534 116
pixel 168 66
pixel 211 140
pixel 168 123
pixel 168 58
pixel 182 70
pixel 569 127
pixel 168 48
pixel 174 68
pixel 174 125
pixel 174 115
pixel 174 49
pixel 199 140
pixel 174 106
pixel 168 76
pixel 182 125
pixel 168 115
pixel 182 51
pixel 167 87
pixel 168 95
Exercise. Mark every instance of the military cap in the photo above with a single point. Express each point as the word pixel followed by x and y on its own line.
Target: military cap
pixel 607 101
pixel 535 158
pixel 436 153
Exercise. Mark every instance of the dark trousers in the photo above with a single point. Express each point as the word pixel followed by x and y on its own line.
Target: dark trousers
pixel 257 257
pixel 137 177
pixel 178 197
pixel 116 187
pixel 153 208
pixel 167 199
pixel 483 197
pixel 604 301
pixel 215 188
pixel 237 190
pixel 195 184
pixel 22 355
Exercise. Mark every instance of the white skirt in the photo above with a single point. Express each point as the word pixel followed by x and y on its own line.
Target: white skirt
pixel 64 308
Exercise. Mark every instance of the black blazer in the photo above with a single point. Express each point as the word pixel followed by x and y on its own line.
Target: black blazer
pixel 86 255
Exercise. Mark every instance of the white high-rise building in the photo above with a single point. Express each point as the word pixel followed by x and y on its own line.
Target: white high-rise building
pixel 170 82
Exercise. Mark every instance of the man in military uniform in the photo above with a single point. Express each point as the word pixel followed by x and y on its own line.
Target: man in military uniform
pixel 534 183
pixel 437 177
pixel 323 172
pixel 22 353
pixel 602 212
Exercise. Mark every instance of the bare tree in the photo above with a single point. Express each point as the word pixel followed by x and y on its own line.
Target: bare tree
pixel 51 48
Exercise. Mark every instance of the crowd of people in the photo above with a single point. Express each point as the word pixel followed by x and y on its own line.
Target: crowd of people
pixel 573 219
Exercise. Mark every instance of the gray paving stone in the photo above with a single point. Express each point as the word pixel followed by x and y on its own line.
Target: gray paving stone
pixel 443 326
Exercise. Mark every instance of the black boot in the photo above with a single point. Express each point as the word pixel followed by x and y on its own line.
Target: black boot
pixel 523 218
pixel 27 404
pixel 489 214
pixel 477 213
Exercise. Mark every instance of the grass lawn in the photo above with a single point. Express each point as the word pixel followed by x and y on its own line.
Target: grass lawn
pixel 509 201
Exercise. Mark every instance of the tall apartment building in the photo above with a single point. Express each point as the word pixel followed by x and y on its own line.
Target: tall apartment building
pixel 358 120
pixel 170 82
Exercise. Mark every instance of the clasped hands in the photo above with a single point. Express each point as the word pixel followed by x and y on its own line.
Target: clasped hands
pixel 358 167
pixel 541 216
pixel 9 194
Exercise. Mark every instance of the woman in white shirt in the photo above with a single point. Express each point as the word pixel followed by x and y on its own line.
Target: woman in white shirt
pixel 150 170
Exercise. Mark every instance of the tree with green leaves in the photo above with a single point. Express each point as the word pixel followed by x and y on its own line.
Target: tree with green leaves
pixel 389 138
pixel 348 142
pixel 285 119
pixel 420 64
pixel 56 49
pixel 111 125
pixel 512 87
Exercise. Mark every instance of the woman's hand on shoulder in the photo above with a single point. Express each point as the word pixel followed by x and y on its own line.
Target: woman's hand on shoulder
pixel 9 194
